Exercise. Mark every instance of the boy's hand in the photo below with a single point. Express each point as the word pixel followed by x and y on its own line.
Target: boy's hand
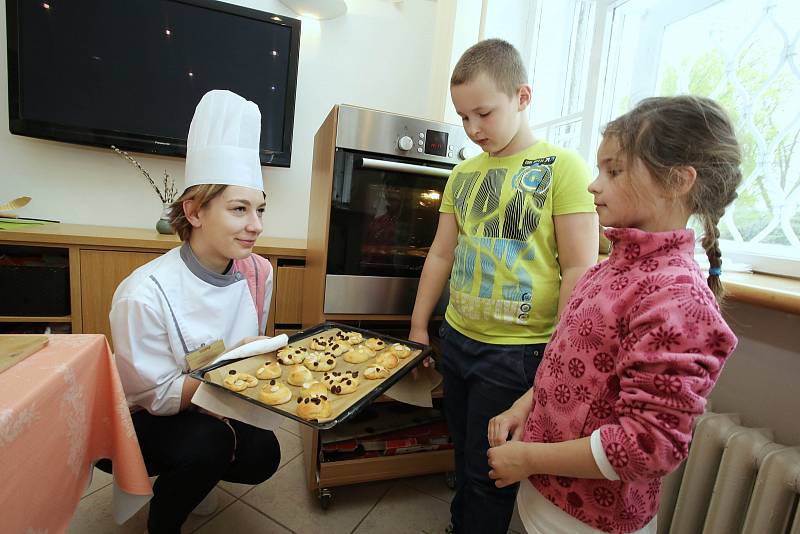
pixel 509 462
pixel 512 421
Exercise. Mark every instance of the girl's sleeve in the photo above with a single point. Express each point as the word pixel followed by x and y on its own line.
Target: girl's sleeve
pixel 147 368
pixel 669 360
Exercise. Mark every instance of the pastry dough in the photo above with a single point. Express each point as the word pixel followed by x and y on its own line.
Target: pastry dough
pixel 268 371
pixel 352 338
pixel 236 381
pixel 359 354
pixel 376 372
pixel 275 393
pixel 339 347
pixel 312 389
pixel 387 359
pixel 375 344
pixel 343 384
pixel 316 407
pixel 292 355
pixel 400 350
pixel 299 375
pixel 321 342
pixel 320 361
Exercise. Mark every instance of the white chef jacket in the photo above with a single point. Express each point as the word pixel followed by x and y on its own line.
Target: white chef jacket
pixel 169 308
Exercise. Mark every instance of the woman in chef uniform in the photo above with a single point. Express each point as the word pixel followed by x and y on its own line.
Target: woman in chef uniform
pixel 210 289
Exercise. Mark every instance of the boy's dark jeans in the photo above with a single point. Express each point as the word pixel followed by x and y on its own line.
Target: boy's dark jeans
pixel 481 381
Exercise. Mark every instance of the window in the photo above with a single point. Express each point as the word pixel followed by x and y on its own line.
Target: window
pixel 592 60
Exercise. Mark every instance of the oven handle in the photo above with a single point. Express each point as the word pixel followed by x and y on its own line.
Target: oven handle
pixel 395 166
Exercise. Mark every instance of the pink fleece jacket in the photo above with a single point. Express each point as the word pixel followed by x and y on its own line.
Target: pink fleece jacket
pixel 637 350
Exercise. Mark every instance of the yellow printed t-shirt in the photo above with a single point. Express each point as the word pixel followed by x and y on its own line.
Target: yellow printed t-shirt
pixel 505 281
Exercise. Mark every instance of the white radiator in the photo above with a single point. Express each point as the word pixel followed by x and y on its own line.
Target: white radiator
pixel 735 480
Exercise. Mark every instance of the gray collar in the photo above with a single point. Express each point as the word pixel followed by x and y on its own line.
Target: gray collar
pixel 215 279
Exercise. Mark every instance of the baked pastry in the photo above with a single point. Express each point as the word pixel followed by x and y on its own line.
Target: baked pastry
pixel 315 407
pixel 299 375
pixel 376 372
pixel 351 338
pixel 331 378
pixel 268 371
pixel 400 350
pixel 387 359
pixel 375 344
pixel 338 347
pixel 320 361
pixel 359 354
pixel 236 381
pixel 275 393
pixel 343 384
pixel 321 342
pixel 312 389
pixel 292 355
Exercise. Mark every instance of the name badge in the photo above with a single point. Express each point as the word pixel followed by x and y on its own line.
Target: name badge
pixel 204 355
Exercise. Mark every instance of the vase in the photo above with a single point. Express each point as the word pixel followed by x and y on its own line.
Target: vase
pixel 163 226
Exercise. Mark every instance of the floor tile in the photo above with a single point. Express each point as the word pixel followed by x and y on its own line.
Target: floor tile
pixel 292 426
pixel 434 485
pixel 516 522
pixel 100 479
pixel 239 517
pixel 406 510
pixel 291 447
pixel 286 499
pixel 94 515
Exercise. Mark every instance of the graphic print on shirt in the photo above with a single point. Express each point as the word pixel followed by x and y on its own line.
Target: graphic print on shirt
pixel 490 281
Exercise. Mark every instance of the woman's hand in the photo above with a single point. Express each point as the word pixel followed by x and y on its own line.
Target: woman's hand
pixel 512 421
pixel 510 462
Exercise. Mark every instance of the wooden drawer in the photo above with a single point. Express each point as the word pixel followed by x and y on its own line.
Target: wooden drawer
pixel 289 294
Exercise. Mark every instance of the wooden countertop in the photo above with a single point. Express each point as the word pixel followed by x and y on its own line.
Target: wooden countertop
pixel 128 238
pixel 769 291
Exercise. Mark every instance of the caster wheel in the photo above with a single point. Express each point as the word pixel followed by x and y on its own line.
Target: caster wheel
pixel 325 498
pixel 450 479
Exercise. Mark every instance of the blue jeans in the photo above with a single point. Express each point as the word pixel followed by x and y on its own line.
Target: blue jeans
pixel 480 381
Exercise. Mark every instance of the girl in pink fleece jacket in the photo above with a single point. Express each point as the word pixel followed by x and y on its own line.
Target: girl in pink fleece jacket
pixel 641 342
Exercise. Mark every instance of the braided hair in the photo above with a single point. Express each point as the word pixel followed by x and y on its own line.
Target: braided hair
pixel 668 133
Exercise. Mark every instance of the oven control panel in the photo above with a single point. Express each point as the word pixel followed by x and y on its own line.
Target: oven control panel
pixel 391 134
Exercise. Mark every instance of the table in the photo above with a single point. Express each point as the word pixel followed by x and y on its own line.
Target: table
pixel 62 409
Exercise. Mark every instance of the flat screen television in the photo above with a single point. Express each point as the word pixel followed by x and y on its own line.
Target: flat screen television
pixel 130 72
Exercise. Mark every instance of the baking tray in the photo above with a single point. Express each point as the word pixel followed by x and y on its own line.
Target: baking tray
pixel 345 406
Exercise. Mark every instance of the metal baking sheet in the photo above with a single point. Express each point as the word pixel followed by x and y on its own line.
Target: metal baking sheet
pixel 344 406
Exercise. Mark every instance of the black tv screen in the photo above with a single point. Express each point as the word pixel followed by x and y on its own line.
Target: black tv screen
pixel 130 72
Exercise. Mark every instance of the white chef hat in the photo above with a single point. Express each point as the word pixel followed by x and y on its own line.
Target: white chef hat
pixel 223 142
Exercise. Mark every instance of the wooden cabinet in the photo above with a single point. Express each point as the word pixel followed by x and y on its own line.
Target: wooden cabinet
pixel 101 273
pixel 101 257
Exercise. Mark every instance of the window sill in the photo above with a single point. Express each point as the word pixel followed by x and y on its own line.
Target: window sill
pixel 766 290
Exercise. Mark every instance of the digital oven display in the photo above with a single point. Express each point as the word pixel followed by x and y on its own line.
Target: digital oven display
pixel 436 143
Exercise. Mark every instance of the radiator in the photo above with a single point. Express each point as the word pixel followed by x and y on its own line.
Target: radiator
pixel 735 480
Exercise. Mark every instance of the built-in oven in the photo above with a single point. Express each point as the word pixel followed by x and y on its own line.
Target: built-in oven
pixel 388 174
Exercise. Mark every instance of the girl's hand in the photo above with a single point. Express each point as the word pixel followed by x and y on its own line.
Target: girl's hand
pixel 420 335
pixel 509 463
pixel 512 421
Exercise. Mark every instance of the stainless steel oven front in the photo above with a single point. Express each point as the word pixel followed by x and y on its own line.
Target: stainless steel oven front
pixel 389 175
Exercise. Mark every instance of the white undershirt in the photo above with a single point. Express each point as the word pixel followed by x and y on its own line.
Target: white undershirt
pixel 540 516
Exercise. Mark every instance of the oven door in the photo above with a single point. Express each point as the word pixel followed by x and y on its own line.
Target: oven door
pixel 384 215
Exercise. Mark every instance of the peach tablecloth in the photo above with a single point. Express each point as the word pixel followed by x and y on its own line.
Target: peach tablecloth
pixel 62 409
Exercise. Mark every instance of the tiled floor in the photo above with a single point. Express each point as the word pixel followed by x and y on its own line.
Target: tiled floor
pixel 282 504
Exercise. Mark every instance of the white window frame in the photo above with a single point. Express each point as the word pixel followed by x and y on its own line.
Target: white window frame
pixel 598 102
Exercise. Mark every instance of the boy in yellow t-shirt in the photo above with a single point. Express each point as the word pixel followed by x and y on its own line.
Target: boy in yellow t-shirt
pixel 502 215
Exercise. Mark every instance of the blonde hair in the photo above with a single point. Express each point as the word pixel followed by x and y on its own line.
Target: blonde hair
pixel 497 59
pixel 202 194
pixel 667 133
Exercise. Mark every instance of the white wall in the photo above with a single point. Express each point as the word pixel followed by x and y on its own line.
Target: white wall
pixel 378 55
pixel 760 379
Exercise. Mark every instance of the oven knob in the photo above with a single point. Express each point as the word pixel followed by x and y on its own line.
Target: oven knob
pixel 465 153
pixel 405 143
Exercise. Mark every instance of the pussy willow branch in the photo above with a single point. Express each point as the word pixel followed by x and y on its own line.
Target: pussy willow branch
pixel 169 192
